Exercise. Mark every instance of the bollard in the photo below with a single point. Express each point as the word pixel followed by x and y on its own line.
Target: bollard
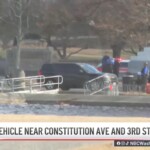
pixel 116 89
pixel 113 89
pixel 148 88
pixel 20 83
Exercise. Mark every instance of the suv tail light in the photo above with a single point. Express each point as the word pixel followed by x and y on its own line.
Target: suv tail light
pixel 39 72
pixel 99 69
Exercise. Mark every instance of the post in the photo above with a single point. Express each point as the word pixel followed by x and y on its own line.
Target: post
pixel 19 38
pixel 40 82
pixel 30 85
pixel 2 86
pixel 58 82
pixel 146 22
pixel 12 86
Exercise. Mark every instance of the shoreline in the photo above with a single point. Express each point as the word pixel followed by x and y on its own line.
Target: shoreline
pixel 74 98
pixel 53 118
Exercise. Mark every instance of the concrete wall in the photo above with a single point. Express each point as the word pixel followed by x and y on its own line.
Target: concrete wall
pixel 31 59
pixel 2 67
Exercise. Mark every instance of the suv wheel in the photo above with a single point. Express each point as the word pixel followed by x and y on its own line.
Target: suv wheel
pixel 94 86
pixel 51 85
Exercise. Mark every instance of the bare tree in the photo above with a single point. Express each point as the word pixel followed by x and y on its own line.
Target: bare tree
pixel 16 18
pixel 126 24
pixel 59 18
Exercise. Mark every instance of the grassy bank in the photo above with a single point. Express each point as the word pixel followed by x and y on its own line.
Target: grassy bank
pixel 92 55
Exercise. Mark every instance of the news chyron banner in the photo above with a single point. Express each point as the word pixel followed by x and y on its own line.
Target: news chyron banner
pixel 123 134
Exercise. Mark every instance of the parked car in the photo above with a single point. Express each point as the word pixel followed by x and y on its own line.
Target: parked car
pixel 75 75
pixel 123 66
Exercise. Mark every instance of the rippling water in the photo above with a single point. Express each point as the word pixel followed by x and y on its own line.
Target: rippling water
pixel 71 110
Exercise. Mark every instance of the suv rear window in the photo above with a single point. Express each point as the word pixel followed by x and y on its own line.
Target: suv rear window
pixel 61 68
pixel 124 64
pixel 47 67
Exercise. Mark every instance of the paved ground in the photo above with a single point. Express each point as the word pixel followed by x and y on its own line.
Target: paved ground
pixel 77 97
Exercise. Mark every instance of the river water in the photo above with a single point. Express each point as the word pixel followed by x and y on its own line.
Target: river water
pixel 71 110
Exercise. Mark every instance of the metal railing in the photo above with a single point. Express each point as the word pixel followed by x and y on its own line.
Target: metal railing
pixel 102 85
pixel 28 83
pixel 133 85
pixel 133 89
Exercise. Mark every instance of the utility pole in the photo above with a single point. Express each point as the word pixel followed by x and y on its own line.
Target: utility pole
pixel 19 36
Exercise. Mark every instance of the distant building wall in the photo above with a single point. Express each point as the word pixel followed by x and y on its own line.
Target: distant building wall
pixel 137 62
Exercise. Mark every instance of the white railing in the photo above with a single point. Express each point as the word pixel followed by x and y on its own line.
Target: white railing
pixel 43 82
pixel 101 84
pixel 28 83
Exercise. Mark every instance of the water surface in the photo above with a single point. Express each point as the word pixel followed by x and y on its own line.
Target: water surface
pixel 71 110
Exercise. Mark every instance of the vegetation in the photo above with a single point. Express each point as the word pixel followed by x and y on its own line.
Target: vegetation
pixel 122 25
pixel 2 54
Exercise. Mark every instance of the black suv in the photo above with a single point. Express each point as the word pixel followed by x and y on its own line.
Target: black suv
pixel 74 74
